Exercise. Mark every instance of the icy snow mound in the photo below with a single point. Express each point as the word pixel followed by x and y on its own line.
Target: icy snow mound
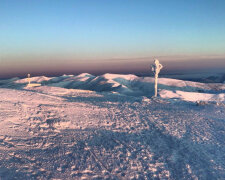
pixel 192 96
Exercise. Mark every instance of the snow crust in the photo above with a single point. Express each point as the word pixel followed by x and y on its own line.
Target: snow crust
pixel 109 127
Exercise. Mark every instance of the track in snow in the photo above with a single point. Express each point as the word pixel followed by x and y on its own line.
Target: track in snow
pixel 82 134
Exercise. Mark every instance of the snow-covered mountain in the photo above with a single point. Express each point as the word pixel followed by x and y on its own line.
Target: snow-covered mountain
pixel 205 77
pixel 109 127
pixel 130 85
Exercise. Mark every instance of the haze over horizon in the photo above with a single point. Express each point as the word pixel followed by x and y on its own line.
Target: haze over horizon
pixel 121 36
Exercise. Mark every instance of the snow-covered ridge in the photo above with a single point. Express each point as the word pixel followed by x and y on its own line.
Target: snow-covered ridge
pixel 130 85
pixel 36 79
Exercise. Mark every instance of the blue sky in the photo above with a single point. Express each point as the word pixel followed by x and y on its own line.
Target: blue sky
pixel 84 35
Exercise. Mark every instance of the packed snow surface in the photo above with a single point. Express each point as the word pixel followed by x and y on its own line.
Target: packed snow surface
pixel 109 127
pixel 193 96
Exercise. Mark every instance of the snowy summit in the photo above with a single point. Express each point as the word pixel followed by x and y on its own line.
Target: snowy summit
pixel 110 127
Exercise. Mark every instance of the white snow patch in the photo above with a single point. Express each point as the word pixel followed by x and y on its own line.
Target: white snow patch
pixel 192 96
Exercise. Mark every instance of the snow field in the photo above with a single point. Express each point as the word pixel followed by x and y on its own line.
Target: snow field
pixel 52 132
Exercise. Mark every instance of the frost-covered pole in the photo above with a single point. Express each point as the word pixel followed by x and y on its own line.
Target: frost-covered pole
pixel 28 78
pixel 156 67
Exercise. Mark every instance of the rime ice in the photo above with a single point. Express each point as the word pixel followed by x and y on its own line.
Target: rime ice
pixel 156 67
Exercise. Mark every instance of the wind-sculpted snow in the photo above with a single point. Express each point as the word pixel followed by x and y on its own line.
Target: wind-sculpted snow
pixel 51 132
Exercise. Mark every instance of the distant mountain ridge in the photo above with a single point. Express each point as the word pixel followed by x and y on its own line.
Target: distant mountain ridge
pixel 199 77
pixel 129 84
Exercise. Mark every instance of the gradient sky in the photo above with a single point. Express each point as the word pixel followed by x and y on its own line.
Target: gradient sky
pixel 73 36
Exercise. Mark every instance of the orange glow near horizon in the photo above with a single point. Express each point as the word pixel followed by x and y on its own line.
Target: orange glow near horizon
pixel 57 66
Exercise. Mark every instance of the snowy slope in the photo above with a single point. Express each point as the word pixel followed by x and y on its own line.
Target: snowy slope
pixel 129 85
pixel 192 96
pixel 59 133
pixel 37 79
